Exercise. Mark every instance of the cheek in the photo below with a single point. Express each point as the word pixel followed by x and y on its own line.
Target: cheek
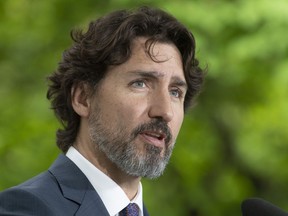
pixel 126 114
pixel 132 108
pixel 177 124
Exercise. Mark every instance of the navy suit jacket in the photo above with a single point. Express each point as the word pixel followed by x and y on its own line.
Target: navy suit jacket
pixel 63 190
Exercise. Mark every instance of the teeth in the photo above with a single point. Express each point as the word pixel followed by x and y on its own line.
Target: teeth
pixel 155 135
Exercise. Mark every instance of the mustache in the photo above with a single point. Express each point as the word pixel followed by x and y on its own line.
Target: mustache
pixel 155 125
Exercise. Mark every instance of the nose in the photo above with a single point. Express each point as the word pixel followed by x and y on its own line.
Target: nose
pixel 161 106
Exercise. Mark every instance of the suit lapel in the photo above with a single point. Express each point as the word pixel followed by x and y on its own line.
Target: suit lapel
pixel 76 187
pixel 92 205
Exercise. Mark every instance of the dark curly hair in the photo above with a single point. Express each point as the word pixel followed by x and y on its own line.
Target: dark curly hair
pixel 108 42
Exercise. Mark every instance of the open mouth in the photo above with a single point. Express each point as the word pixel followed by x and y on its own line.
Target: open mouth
pixel 156 138
pixel 157 135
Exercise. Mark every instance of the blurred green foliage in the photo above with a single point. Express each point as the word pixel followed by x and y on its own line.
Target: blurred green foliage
pixel 233 144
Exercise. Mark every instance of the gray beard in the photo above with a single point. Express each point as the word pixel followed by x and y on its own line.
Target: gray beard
pixel 120 149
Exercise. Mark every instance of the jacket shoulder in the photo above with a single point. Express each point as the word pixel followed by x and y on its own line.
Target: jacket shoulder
pixel 22 202
pixel 40 195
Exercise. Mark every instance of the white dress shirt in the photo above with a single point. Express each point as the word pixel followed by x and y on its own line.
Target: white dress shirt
pixel 112 195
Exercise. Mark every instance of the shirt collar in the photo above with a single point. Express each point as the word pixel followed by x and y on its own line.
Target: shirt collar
pixel 112 195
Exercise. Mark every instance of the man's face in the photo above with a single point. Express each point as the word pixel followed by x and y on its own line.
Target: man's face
pixel 137 110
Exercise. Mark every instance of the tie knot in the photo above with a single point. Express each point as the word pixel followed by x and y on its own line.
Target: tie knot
pixel 131 210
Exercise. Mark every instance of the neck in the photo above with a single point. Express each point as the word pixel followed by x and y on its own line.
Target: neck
pixel 128 183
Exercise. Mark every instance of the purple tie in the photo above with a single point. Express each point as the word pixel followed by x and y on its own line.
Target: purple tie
pixel 131 210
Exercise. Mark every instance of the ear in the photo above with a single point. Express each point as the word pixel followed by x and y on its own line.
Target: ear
pixel 80 98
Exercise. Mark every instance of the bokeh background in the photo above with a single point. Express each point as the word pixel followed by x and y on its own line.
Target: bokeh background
pixel 234 142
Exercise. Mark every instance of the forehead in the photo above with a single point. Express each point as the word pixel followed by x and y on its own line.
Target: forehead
pixel 163 58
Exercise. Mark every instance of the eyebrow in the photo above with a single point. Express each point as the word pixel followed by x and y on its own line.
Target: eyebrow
pixel 176 80
pixel 180 83
pixel 148 74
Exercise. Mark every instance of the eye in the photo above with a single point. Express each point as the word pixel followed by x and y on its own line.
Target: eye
pixel 176 92
pixel 138 84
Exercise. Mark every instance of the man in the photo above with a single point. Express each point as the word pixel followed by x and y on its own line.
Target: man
pixel 120 92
